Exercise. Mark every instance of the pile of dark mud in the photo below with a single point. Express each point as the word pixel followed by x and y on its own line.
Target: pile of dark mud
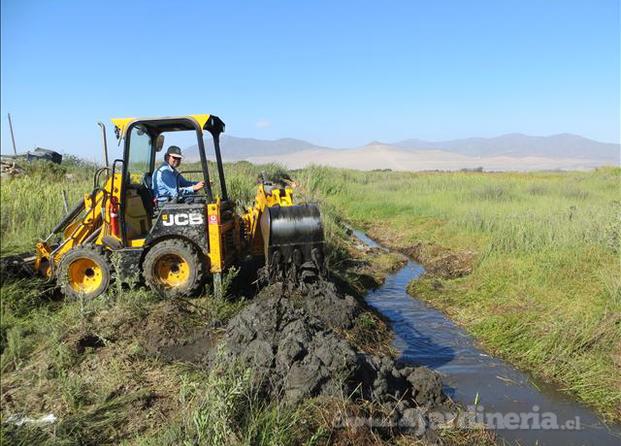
pixel 296 345
pixel 290 342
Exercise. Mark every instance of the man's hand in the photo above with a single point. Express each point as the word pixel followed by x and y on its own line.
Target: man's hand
pixel 198 186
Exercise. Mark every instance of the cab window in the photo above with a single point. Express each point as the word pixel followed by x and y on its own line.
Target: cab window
pixel 137 197
pixel 139 154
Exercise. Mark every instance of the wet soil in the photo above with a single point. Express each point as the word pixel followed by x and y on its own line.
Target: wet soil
pixel 193 349
pixel 294 343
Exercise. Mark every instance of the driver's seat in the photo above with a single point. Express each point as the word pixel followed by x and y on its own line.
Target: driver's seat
pixel 147 180
pixel 145 193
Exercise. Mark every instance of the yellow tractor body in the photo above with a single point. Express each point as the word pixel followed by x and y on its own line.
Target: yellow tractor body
pixel 175 245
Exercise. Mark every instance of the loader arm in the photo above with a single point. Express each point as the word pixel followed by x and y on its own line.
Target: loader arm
pixel 89 221
pixel 252 217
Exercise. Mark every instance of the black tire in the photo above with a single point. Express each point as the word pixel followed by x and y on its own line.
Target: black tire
pixel 84 273
pixel 173 268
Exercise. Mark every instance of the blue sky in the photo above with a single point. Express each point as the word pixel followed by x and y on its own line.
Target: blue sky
pixel 334 73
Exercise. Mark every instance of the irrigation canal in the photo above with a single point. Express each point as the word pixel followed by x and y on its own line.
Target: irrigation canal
pixel 425 336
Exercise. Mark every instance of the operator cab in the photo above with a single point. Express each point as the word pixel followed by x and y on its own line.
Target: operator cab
pixel 143 142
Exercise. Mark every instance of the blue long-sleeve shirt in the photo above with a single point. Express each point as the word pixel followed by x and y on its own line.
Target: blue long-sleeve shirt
pixel 164 183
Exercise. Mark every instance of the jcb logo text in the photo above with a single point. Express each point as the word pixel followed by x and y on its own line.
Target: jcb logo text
pixel 182 219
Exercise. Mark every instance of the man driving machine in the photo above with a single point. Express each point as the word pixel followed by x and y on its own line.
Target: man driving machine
pixel 167 183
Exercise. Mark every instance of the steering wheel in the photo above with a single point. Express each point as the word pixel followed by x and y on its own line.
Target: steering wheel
pixel 194 195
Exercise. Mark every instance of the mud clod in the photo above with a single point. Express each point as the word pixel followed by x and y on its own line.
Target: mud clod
pixel 89 341
pixel 188 350
pixel 334 310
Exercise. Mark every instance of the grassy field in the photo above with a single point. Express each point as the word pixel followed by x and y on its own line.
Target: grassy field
pixel 543 291
pixel 92 364
pixel 86 362
pixel 543 249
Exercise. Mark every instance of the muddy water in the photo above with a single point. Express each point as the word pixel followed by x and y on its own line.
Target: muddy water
pixel 425 336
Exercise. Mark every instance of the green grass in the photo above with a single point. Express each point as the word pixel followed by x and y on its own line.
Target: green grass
pixel 116 391
pixel 103 395
pixel 224 407
pixel 545 293
pixel 545 290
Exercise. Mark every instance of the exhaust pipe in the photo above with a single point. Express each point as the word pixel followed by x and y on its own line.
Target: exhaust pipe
pixel 105 142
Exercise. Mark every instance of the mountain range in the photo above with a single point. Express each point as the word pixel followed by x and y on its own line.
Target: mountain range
pixel 513 151
pixel 517 144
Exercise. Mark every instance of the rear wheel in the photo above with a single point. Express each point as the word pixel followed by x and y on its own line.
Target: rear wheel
pixel 173 268
pixel 84 272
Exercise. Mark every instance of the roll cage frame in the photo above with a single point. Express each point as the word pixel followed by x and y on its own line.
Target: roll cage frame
pixel 154 128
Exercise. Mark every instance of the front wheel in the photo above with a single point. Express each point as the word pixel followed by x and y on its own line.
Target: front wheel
pixel 173 268
pixel 84 272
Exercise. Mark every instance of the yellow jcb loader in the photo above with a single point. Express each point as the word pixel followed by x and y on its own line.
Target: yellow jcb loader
pixel 177 245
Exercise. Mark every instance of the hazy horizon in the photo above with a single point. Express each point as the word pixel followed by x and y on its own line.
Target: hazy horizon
pixel 190 139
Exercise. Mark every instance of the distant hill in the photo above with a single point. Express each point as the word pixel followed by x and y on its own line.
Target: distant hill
pixel 234 148
pixel 507 152
pixel 516 144
pixel 382 156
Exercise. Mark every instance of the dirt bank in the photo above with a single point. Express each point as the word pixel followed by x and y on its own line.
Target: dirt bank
pixel 438 260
